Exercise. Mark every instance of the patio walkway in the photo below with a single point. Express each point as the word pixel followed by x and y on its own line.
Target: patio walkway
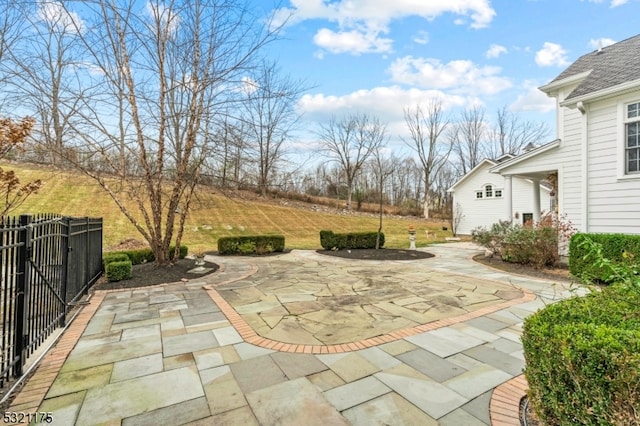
pixel 298 338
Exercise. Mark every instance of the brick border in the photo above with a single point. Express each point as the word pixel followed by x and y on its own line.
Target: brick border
pixel 250 336
pixel 32 394
pixel 504 408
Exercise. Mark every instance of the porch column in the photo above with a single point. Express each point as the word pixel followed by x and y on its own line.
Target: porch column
pixel 536 200
pixel 508 198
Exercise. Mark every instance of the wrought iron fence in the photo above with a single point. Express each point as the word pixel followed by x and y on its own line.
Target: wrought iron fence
pixel 47 262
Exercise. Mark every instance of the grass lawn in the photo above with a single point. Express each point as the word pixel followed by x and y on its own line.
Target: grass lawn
pixel 213 215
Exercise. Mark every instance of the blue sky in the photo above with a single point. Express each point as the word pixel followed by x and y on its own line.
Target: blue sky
pixel 380 56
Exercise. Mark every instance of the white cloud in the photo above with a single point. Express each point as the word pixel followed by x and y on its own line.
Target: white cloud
pixel 59 17
pixel 422 37
pixel 460 76
pixel 614 3
pixel 551 54
pixel 387 102
pixel 372 17
pixel 598 43
pixel 533 99
pixel 354 42
pixel 495 50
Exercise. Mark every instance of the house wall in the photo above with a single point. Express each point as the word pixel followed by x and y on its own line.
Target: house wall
pixel 487 211
pixel 613 203
pixel 566 159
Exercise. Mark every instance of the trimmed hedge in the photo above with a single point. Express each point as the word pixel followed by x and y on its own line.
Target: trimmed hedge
pixel 118 271
pixel 352 240
pixel 251 244
pixel 145 255
pixel 113 257
pixel 583 359
pixel 617 248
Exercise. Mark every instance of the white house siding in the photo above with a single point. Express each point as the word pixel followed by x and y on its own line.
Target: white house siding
pixel 566 160
pixel 613 203
pixel 487 211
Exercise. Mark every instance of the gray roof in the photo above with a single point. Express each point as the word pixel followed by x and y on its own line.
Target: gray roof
pixel 609 66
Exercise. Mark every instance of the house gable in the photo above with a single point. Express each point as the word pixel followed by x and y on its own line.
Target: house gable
pixel 604 71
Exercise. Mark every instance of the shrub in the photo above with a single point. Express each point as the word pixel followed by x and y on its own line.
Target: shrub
pixel 583 359
pixel 113 257
pixel 599 257
pixel 353 240
pixel 251 244
pixel 144 255
pixel 534 244
pixel 118 271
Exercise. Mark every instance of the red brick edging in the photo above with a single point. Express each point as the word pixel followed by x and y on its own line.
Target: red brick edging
pixel 31 396
pixel 504 407
pixel 250 336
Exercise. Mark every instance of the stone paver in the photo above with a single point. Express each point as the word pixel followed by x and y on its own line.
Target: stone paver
pixel 299 339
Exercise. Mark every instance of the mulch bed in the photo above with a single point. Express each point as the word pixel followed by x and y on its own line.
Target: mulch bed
pixel 148 274
pixel 379 254
pixel 559 272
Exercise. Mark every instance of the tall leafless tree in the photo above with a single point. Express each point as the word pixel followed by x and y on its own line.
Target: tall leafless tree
pixel 510 134
pixel 44 72
pixel 164 74
pixel 269 116
pixel 11 30
pixel 426 127
pixel 350 141
pixel 468 138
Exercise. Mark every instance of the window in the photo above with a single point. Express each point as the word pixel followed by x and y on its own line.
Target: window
pixel 489 191
pixel 498 193
pixel 632 139
pixel 478 194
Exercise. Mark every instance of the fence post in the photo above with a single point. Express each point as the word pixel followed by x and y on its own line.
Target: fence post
pixel 66 223
pixel 24 271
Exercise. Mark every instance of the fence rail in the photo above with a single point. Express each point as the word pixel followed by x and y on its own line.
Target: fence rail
pixel 47 262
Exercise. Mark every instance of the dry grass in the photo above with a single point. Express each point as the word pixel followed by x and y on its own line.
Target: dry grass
pixel 215 215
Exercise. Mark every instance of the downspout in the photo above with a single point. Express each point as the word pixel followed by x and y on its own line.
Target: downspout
pixel 584 160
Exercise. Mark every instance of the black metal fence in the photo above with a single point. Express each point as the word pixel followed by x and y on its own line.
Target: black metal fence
pixel 47 262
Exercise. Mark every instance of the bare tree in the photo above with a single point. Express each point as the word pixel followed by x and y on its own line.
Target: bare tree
pixel 350 141
pixel 11 30
pixel 510 134
pixel 382 168
pixel 269 115
pixel 468 137
pixel 426 127
pixel 164 76
pixel 44 72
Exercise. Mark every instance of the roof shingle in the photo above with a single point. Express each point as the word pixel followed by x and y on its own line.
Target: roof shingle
pixel 610 66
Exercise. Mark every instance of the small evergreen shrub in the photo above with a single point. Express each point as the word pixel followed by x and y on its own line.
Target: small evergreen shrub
pixel 118 271
pixel 352 240
pixel 113 257
pixel 250 244
pixel 613 251
pixel 144 255
pixel 583 359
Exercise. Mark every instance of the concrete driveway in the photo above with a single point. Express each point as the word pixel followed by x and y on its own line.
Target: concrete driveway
pixel 298 338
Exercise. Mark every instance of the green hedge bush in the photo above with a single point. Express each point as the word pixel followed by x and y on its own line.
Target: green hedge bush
pixel 250 244
pixel 583 359
pixel 113 257
pixel 352 240
pixel 118 271
pixel 138 256
pixel 616 248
